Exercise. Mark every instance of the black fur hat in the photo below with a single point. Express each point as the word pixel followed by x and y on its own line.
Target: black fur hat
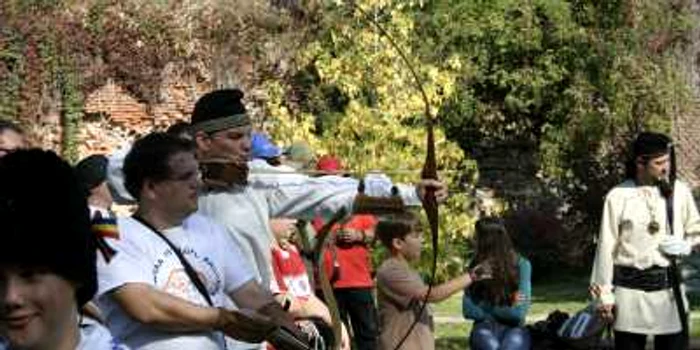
pixel 218 104
pixel 45 219
pixel 650 145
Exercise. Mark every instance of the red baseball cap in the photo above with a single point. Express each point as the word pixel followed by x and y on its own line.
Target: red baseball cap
pixel 329 164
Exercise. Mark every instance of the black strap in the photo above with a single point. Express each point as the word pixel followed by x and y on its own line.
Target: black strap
pixel 651 279
pixel 189 270
pixel 674 272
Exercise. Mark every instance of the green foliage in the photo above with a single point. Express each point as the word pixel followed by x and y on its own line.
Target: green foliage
pixel 11 69
pixel 52 53
pixel 71 114
pixel 517 65
pixel 355 98
pixel 572 79
pixel 542 68
pixel 575 78
pixel 40 63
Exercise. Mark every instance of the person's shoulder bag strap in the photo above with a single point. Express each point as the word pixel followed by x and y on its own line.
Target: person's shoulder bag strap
pixel 189 270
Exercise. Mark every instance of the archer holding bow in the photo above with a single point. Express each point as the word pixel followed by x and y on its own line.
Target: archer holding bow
pixel 221 128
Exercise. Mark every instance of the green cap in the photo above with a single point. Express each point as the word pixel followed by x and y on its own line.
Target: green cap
pixel 300 155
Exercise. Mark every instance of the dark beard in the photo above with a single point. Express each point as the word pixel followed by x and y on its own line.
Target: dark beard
pixel 665 187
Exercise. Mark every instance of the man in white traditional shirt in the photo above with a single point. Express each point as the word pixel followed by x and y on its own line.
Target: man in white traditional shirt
pixel 631 276
pixel 149 297
pixel 222 130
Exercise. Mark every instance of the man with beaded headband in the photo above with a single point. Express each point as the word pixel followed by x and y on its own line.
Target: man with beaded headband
pixel 222 132
pixel 636 247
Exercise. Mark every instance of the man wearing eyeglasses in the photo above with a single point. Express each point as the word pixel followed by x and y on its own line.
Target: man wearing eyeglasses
pixel 169 283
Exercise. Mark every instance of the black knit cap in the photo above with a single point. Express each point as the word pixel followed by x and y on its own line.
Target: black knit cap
pixel 651 145
pixel 218 104
pixel 45 220
pixel 92 171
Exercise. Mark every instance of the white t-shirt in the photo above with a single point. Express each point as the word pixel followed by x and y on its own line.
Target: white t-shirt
pixel 143 257
pixel 94 336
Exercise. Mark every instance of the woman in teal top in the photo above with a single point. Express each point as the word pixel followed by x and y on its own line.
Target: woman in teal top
pixel 498 306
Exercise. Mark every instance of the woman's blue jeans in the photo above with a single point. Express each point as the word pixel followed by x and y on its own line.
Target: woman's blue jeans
pixel 490 335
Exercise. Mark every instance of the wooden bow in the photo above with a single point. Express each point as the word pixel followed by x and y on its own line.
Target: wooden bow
pixel 429 171
pixel 366 204
pixel 323 238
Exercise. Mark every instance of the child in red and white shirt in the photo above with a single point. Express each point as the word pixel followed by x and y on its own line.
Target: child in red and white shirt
pixel 292 280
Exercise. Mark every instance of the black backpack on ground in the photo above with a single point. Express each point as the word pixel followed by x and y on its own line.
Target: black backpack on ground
pixel 585 330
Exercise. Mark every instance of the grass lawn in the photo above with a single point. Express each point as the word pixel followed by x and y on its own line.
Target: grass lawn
pixel 452 336
pixel 568 294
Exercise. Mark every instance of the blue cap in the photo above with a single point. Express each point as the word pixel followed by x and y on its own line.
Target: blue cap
pixel 263 148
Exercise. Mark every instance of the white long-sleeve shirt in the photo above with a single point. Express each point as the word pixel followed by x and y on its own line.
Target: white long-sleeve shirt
pixel 245 211
pixel 625 240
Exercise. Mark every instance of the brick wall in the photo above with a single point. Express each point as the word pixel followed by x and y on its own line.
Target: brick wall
pixel 113 117
pixel 686 133
pixel 686 127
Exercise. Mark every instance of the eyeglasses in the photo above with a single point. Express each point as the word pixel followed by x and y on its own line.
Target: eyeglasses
pixel 193 175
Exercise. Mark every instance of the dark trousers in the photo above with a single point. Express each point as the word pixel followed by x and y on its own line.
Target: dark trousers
pixel 634 341
pixel 357 308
